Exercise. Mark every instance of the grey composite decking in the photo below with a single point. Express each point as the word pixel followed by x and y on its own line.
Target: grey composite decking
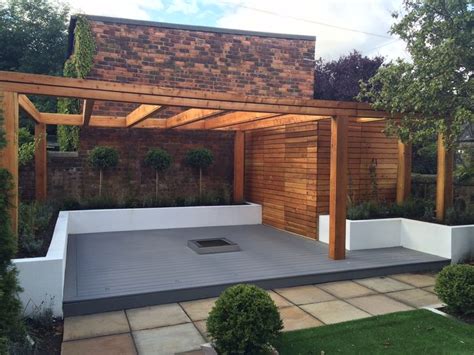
pixel 118 270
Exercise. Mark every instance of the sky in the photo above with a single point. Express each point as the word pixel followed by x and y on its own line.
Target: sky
pixel 339 25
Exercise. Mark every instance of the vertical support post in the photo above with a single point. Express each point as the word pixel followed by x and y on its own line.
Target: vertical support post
pixel 239 157
pixel 404 171
pixel 9 154
pixel 444 179
pixel 338 187
pixel 41 172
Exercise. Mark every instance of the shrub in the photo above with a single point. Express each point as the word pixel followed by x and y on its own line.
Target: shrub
pixel 413 208
pixel 455 217
pixel 199 158
pixel 455 287
pixel 34 220
pixel 160 160
pixel 102 158
pixel 244 320
pixel 11 326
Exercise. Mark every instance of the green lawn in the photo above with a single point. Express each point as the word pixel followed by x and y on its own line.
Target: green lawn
pixel 415 332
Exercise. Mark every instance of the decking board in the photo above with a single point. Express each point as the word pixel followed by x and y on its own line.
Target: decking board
pixel 107 271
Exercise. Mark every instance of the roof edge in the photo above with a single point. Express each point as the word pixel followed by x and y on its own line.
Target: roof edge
pixel 190 27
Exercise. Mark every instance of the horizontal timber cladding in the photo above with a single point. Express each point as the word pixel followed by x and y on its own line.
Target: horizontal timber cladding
pixel 287 171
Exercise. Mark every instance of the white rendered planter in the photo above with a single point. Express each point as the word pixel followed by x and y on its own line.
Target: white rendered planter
pixel 452 242
pixel 42 278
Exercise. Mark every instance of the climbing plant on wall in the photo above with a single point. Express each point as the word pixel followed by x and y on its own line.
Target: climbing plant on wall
pixel 78 65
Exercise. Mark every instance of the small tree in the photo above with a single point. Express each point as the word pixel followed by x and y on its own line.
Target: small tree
pixel 160 160
pixel 339 79
pixel 102 158
pixel 199 158
pixel 433 92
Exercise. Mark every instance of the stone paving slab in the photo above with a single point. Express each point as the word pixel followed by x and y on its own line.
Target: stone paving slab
pixel 417 280
pixel 415 297
pixel 346 289
pixel 119 344
pixel 334 311
pixel 156 316
pixel 305 294
pixel 295 318
pixel 181 328
pixel 383 284
pixel 94 325
pixel 429 289
pixel 199 309
pixel 279 301
pixel 168 340
pixel 202 327
pixel 378 304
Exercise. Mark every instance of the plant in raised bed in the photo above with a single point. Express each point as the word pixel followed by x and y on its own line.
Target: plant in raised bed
pixel 199 158
pixel 160 160
pixel 102 158
pixel 455 287
pixel 244 320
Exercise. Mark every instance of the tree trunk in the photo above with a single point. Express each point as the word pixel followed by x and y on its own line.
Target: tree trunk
pixel 100 183
pixel 200 184
pixel 156 185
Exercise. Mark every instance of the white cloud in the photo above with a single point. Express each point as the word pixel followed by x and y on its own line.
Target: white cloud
pixel 186 7
pixel 302 17
pixel 133 9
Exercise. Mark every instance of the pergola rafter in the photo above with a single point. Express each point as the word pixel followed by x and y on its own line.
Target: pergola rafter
pixel 87 111
pixel 203 111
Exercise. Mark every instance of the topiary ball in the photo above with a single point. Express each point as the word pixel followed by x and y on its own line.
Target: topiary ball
pixel 103 157
pixel 244 320
pixel 199 158
pixel 455 287
pixel 158 159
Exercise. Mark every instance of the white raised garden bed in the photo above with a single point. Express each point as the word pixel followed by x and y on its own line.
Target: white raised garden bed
pixel 42 278
pixel 452 242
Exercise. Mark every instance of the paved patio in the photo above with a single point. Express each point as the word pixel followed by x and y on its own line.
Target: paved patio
pixel 181 327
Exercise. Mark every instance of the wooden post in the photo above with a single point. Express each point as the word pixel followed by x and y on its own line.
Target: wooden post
pixel 41 172
pixel 9 154
pixel 338 188
pixel 239 158
pixel 444 179
pixel 404 172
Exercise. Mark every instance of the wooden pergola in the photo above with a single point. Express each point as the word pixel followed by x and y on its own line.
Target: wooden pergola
pixel 203 111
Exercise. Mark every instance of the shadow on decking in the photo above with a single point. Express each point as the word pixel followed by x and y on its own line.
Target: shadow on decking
pixel 119 270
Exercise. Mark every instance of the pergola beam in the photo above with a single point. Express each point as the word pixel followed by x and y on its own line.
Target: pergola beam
pixel 151 95
pixel 404 171
pixel 9 154
pixel 29 108
pixel 41 161
pixel 239 162
pixel 234 118
pixel 87 111
pixel 338 187
pixel 276 121
pixel 444 179
pixel 140 114
pixel 190 116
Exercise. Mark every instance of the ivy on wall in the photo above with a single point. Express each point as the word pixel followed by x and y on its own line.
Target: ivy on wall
pixel 78 65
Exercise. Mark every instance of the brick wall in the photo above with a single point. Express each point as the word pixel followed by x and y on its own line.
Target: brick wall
pixel 73 177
